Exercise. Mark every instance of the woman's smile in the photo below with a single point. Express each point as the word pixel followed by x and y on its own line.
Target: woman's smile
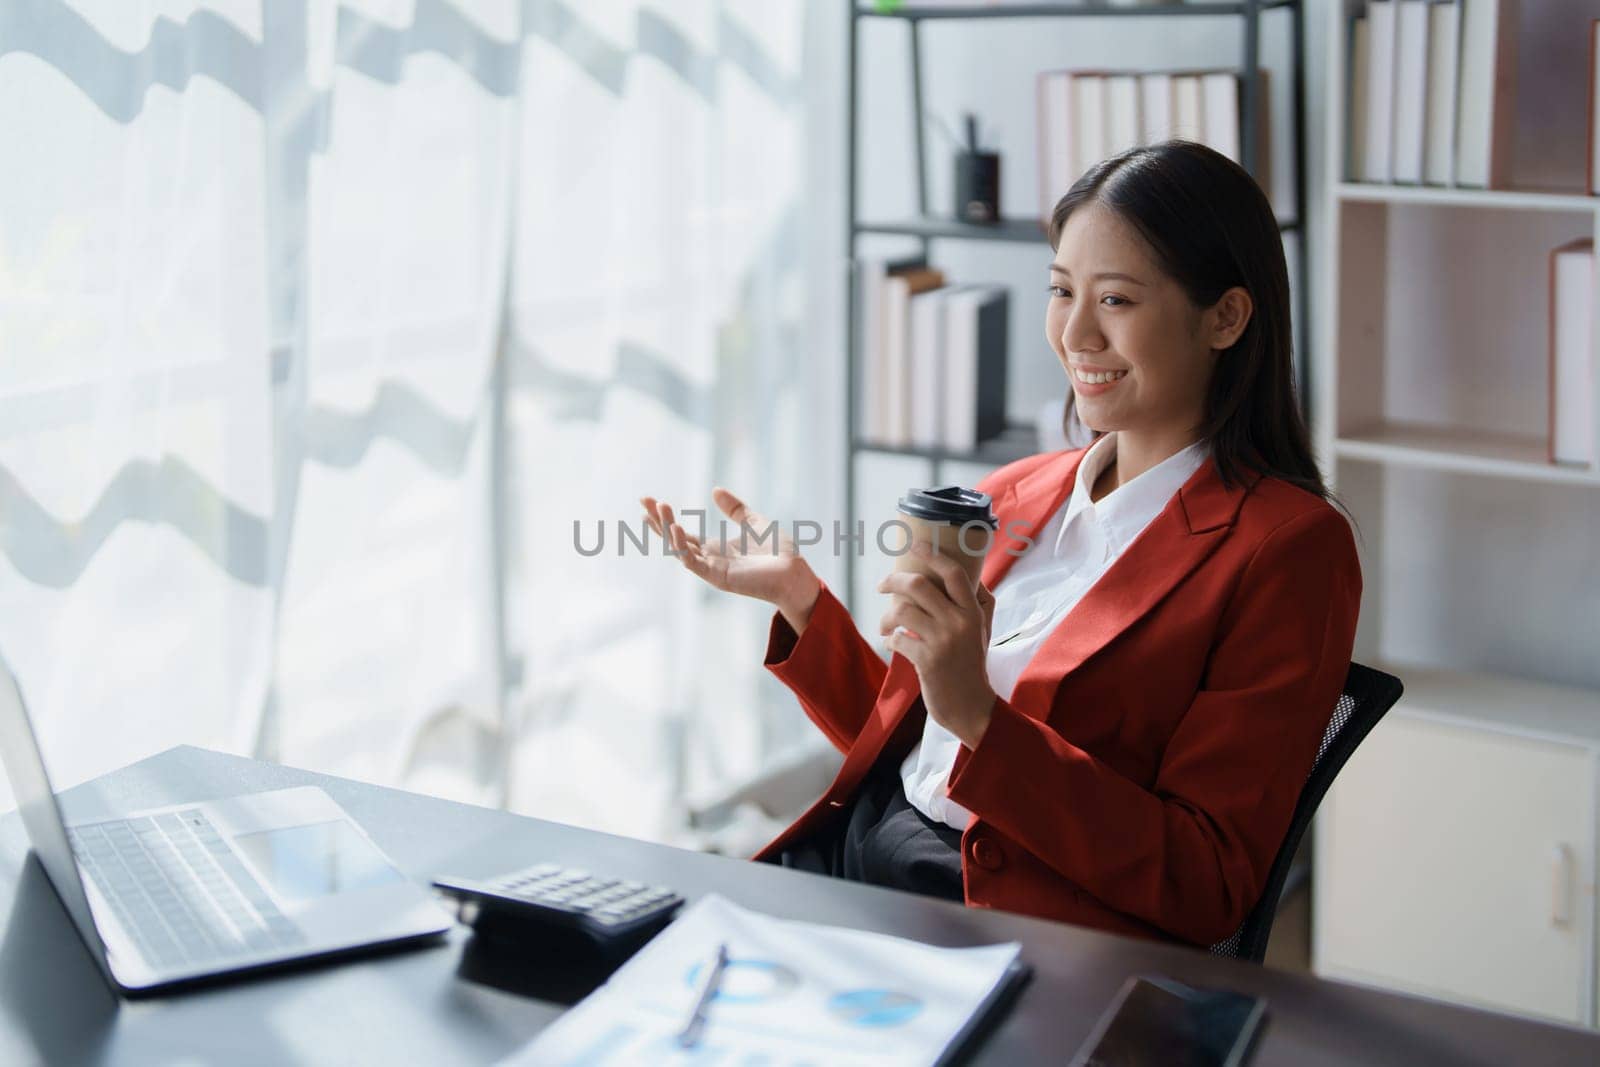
pixel 1090 382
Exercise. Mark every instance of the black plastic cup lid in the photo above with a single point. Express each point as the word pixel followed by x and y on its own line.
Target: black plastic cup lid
pixel 949 503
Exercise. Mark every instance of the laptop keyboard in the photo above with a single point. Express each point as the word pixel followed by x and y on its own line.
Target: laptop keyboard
pixel 179 890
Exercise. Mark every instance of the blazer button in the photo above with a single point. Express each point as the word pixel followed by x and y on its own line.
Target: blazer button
pixel 986 854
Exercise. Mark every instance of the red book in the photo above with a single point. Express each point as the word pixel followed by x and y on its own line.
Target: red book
pixel 1594 142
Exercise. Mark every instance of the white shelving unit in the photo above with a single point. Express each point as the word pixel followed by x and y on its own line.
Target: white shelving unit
pixel 1457 854
pixel 1480 798
pixel 1362 192
pixel 1444 448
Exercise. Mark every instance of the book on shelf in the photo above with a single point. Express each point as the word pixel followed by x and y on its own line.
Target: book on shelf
pixel 1444 48
pixel 1572 365
pixel 1085 116
pixel 1089 121
pixel 1155 107
pixel 933 358
pixel 1053 114
pixel 1123 126
pixel 1593 180
pixel 1410 90
pixel 1378 153
pixel 1357 62
pixel 871 414
pixel 975 366
pixel 899 288
pixel 926 367
pixel 1219 101
pixel 1431 92
pixel 1485 105
pixel 876 413
pixel 1188 114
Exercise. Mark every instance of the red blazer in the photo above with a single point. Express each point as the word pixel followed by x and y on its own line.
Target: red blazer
pixel 1143 774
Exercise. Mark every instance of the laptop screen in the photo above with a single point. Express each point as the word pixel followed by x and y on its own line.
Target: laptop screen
pixel 41 816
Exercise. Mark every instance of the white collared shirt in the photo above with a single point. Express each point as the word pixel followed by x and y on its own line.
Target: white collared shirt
pixel 1078 545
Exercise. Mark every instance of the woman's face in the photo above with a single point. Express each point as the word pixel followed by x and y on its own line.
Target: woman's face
pixel 1137 351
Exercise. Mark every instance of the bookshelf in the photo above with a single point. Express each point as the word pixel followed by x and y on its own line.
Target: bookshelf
pixel 926 226
pixel 1456 856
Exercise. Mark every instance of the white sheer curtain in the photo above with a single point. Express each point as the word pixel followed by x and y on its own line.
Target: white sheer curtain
pixel 385 626
pixel 656 311
pixel 320 324
pixel 135 405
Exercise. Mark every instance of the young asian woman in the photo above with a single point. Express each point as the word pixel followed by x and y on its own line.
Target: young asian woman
pixel 1117 736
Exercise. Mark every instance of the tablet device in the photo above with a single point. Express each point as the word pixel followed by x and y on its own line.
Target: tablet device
pixel 1161 1023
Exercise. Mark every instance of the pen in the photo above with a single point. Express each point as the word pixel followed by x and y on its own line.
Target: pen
pixel 690 1036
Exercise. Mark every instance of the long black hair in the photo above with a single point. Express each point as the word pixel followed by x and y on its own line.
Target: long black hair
pixel 1212 228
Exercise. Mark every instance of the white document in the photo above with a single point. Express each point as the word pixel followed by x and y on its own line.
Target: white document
pixel 793 992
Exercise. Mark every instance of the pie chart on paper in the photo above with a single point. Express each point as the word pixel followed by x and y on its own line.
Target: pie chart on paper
pixel 875 1008
pixel 749 981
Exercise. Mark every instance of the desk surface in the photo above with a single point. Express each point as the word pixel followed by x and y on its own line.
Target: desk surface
pixel 455 1003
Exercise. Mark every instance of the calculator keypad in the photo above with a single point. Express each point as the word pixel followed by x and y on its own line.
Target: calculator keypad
pixel 607 901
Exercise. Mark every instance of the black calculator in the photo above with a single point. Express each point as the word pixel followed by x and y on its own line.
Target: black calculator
pixel 547 901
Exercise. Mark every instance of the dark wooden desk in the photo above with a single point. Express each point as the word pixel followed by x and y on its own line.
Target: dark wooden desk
pixel 457 1003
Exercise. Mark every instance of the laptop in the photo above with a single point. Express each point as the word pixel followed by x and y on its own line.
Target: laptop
pixel 188 892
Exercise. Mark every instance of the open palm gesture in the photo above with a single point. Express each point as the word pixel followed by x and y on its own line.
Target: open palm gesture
pixel 756 559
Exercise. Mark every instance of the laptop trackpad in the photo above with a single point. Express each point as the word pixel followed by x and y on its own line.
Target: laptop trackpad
pixel 304 863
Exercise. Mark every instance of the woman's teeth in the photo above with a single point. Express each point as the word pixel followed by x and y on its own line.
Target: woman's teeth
pixel 1088 378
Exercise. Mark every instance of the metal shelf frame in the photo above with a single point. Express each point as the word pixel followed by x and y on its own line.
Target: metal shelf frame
pixel 927 227
pixel 914 12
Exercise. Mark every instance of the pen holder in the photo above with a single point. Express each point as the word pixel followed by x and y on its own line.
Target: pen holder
pixel 978 186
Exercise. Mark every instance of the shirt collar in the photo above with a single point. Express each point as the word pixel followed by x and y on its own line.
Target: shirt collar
pixel 1125 511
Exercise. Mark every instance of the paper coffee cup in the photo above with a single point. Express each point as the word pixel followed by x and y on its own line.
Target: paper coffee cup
pixel 954 522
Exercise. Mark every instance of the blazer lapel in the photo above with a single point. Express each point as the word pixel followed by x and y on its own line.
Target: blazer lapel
pixel 1196 520
pixel 1178 540
pixel 1025 507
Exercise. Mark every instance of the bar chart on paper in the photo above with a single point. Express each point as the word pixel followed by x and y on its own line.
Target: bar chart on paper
pixel 791 994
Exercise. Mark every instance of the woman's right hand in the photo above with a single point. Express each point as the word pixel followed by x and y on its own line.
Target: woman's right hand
pixel 758 561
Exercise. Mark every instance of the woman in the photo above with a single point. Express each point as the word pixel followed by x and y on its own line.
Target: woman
pixel 1170 636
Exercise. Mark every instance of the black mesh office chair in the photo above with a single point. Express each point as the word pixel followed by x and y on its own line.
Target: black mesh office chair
pixel 1368 694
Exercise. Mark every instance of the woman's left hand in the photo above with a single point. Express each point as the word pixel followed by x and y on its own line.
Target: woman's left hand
pixel 944 635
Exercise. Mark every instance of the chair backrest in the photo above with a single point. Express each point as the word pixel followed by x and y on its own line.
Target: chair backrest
pixel 1368 694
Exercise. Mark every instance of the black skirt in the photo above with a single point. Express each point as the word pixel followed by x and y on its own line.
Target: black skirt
pixel 885 842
